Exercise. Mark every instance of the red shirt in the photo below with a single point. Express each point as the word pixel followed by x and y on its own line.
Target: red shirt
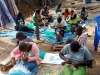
pixel 66 14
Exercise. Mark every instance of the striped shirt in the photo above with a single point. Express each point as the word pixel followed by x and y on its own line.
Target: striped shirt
pixel 82 39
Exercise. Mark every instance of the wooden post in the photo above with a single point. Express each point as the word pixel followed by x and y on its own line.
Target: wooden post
pixel 37 27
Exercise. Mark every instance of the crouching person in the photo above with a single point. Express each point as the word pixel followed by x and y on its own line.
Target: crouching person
pixel 27 51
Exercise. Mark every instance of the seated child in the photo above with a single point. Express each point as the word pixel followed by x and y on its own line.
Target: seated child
pixel 45 11
pixel 45 14
pixel 71 13
pixel 60 26
pixel 83 14
pixel 22 38
pixel 73 21
pixel 29 53
pixel 81 38
pixel 77 55
pixel 37 11
pixel 57 8
pixel 66 13
pixel 20 24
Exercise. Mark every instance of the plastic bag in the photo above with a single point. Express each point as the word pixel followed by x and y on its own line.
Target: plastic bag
pixel 19 70
pixel 41 54
pixel 23 68
pixel 30 25
pixel 68 27
pixel 81 70
pixel 49 33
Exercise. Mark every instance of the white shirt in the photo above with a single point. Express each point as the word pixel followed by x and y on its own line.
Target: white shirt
pixel 63 23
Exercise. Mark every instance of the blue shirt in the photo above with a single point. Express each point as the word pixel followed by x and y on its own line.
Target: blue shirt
pixel 57 9
pixel 82 55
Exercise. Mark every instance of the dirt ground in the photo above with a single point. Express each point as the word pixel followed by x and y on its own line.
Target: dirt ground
pixel 6 45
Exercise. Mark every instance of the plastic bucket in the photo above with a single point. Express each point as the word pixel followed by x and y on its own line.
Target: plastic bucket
pixel 87 1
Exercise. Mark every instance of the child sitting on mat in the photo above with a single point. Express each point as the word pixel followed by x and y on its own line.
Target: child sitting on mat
pixel 37 11
pixel 30 53
pixel 83 14
pixel 81 38
pixel 20 24
pixel 45 14
pixel 21 37
pixel 77 55
pixel 73 21
pixel 60 26
pixel 66 13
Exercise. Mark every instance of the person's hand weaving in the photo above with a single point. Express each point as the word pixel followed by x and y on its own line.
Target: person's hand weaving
pixel 63 63
pixel 24 58
pixel 76 64
pixel 13 61
pixel 66 62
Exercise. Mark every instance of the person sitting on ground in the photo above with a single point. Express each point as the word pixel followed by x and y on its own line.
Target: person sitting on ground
pixel 29 53
pixel 73 21
pixel 45 11
pixel 83 14
pixel 57 8
pixel 81 38
pixel 71 14
pixel 77 55
pixel 22 38
pixel 60 26
pixel 20 23
pixel 45 14
pixel 66 13
pixel 37 11
pixel 19 19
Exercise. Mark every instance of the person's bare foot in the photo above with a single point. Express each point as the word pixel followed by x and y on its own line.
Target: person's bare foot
pixel 58 37
pixel 3 68
pixel 88 35
pixel 52 46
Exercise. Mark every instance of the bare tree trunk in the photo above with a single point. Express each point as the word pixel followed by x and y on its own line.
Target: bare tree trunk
pixel 37 27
